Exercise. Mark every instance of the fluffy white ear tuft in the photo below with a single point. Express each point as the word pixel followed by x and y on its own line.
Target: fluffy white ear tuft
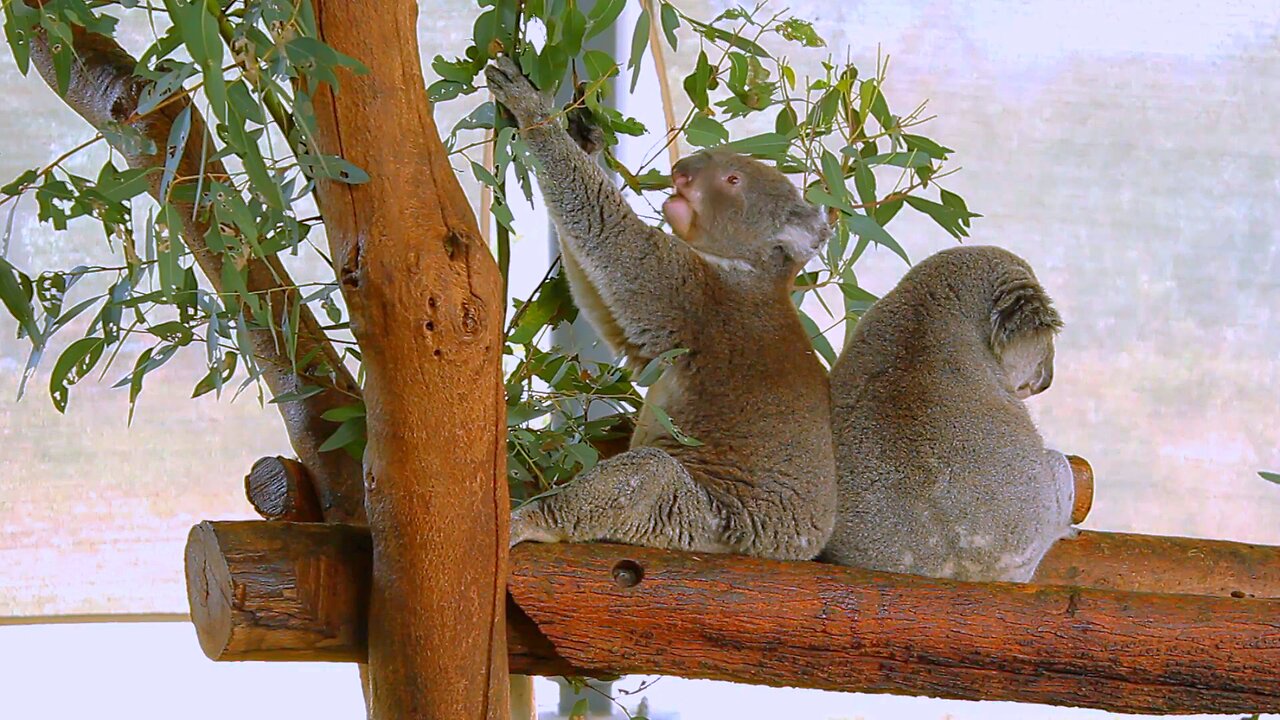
pixel 803 234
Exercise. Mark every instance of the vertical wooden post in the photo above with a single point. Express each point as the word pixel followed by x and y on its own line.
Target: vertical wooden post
pixel 426 305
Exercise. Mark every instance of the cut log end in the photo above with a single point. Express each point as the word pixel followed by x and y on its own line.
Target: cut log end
pixel 279 591
pixel 281 489
pixel 1083 474
pixel 209 591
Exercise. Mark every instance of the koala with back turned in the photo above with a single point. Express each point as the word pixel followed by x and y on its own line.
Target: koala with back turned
pixel 941 470
pixel 750 389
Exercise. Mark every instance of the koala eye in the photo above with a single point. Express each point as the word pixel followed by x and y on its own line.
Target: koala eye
pixel 732 179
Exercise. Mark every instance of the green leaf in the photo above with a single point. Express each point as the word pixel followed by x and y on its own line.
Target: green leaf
pixel 16 299
pixel 332 167
pixel 639 41
pixel 833 176
pixel 665 421
pixel 800 31
pixel 912 159
pixel 655 367
pixel 121 186
pixel 20 20
pixel 926 146
pixel 302 393
pixel 1270 476
pixel 173 331
pixel 178 134
pixel 886 212
pixel 350 432
pixel 344 413
pixel 702 131
pixel 863 226
pixel 602 16
pixel 954 220
pixel 243 102
pixel 873 101
pixel 697 83
pixel 199 31
pixel 720 34
pixel 166 233
pixel 819 341
pixel 570 31
pixel 550 304
pixel 670 23
pixel 766 145
pixel 20 183
pixel 77 361
pixel 217 376
pixel 598 64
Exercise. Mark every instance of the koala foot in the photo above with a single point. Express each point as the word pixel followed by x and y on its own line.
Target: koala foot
pixel 528 525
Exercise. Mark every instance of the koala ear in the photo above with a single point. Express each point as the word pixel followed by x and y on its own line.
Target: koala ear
pixel 1021 309
pixel 803 233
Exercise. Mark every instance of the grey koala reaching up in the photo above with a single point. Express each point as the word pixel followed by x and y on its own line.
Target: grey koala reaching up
pixel 941 470
pixel 749 388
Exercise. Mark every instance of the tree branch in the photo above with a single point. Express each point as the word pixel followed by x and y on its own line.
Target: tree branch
pixel 105 92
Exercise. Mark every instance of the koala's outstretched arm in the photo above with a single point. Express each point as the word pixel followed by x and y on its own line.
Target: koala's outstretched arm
pixel 641 497
pixel 637 269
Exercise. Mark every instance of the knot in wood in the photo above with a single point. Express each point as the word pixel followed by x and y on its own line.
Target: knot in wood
pixel 471 323
pixel 627 573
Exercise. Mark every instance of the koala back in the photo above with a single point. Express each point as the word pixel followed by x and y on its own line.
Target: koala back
pixel 941 470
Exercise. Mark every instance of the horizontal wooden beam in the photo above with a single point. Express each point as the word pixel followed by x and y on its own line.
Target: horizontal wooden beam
pixel 287 591
pixel 1155 563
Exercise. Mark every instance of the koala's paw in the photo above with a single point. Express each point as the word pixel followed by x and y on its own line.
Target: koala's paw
pixel 511 88
pixel 584 130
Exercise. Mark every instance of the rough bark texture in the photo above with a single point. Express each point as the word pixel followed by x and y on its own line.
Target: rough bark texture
pixel 1149 563
pixel 103 90
pixel 281 489
pixel 426 307
pixel 611 609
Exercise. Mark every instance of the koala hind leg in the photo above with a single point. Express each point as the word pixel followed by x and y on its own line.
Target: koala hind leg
pixel 641 497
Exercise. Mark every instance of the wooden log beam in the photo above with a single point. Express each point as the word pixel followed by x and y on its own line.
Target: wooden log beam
pixel 1151 563
pixel 104 90
pixel 281 489
pixel 426 304
pixel 612 609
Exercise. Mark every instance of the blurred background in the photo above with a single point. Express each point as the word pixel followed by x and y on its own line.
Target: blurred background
pixel 1129 150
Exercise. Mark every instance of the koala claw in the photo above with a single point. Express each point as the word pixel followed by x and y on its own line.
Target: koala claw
pixel 511 88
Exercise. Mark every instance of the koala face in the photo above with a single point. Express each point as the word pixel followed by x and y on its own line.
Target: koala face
pixel 1028 363
pixel 736 208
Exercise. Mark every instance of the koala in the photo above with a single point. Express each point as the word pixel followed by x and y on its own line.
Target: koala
pixel 941 471
pixel 750 389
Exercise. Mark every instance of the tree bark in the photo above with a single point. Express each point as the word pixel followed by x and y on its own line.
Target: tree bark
pixel 598 610
pixel 104 91
pixel 1150 563
pixel 426 306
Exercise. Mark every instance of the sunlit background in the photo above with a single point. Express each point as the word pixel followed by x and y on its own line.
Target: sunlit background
pixel 1129 150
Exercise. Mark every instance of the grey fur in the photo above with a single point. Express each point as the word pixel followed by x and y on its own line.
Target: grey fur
pixel 750 388
pixel 941 470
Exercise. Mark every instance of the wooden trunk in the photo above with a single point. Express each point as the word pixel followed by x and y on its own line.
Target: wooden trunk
pixel 426 305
